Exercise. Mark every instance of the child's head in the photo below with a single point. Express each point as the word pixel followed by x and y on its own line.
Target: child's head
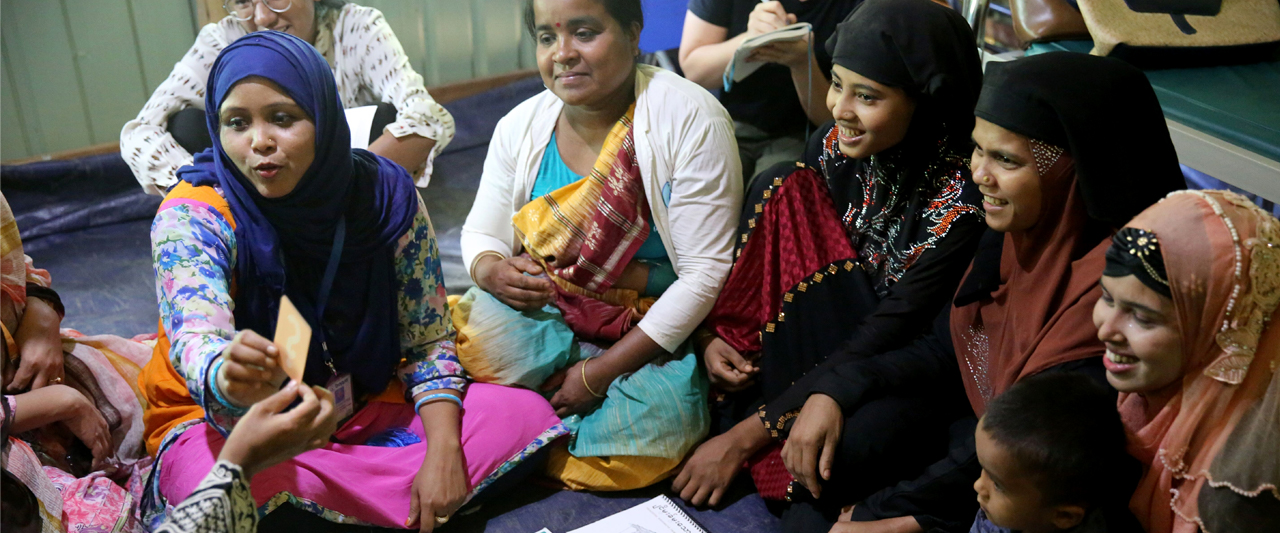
pixel 1051 448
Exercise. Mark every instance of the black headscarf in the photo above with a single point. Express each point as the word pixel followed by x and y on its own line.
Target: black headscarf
pixel 905 199
pixel 1103 112
pixel 920 47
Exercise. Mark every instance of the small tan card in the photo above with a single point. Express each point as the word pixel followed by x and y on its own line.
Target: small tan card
pixel 293 338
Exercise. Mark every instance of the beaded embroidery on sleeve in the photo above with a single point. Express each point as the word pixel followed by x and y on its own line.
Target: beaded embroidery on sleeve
pixel 1256 293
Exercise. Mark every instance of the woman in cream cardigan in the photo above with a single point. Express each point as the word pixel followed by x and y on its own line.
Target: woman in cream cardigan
pixel 368 63
pixel 589 287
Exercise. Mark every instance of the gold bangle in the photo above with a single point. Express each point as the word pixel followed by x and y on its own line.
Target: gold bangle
pixel 472 271
pixel 584 378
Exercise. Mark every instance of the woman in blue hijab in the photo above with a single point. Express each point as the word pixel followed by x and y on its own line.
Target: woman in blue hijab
pixel 282 207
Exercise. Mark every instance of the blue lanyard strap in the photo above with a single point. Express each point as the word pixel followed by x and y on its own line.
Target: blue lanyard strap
pixel 322 298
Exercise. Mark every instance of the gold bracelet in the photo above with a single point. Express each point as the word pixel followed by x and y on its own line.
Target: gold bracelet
pixel 472 271
pixel 584 378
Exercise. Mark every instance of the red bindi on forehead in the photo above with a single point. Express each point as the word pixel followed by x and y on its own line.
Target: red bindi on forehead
pixel 557 24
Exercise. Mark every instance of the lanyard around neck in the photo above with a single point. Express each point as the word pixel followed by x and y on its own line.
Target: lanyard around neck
pixel 322 297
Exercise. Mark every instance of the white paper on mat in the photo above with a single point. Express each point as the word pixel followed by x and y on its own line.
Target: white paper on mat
pixel 659 515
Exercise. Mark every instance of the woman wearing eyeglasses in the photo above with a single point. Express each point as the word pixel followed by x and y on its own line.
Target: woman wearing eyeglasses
pixel 368 63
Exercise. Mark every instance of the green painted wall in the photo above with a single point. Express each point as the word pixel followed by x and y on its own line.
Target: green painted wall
pixel 74 71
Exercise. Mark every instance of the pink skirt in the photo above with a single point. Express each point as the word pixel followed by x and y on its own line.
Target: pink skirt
pixel 501 427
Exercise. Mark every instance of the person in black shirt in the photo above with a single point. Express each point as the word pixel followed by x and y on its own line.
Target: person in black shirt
pixel 770 108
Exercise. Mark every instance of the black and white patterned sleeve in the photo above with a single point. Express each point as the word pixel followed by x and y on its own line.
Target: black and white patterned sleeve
pixel 145 142
pixel 220 504
pixel 377 63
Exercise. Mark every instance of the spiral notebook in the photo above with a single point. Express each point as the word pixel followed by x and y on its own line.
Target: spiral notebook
pixel 659 515
pixel 739 68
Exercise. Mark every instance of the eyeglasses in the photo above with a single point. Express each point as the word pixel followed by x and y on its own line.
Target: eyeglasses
pixel 242 10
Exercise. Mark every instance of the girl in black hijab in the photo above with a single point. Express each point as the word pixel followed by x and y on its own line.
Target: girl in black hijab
pixel 1055 186
pixel 853 250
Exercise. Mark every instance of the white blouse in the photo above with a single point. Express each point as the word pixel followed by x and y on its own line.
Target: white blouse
pixel 369 66
pixel 693 181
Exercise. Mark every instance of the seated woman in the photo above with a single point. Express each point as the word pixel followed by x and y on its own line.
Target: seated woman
pixel 72 426
pixel 1188 314
pixel 1055 187
pixel 859 249
pixel 621 185
pixel 283 207
pixel 367 61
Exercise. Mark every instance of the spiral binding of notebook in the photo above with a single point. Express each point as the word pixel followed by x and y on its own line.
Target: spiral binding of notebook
pixel 659 515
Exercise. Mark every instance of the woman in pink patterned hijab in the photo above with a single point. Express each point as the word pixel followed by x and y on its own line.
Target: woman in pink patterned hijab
pixel 1190 291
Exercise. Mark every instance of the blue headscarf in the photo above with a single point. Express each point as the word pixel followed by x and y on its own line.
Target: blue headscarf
pixel 283 244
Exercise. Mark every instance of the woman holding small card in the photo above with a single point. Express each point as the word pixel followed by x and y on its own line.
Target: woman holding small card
pixel 281 206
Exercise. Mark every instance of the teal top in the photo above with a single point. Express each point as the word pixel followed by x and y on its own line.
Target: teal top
pixel 554 174
pixel 1230 102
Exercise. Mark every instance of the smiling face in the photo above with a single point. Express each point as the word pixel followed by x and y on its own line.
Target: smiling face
pixel 268 137
pixel 584 55
pixel 1140 329
pixel 299 20
pixel 1004 169
pixel 1008 493
pixel 871 117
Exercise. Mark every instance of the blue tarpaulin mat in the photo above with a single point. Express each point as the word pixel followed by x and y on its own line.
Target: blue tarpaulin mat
pixel 88 222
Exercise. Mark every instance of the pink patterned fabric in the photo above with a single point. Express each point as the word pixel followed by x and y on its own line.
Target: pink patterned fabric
pixel 94 503
pixel 369 483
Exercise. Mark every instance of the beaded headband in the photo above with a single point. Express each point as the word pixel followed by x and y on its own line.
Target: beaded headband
pixel 1136 252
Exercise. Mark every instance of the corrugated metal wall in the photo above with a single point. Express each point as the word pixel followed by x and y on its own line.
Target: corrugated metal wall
pixel 455 40
pixel 74 71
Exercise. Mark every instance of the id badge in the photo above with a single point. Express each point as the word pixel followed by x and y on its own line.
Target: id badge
pixel 343 401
